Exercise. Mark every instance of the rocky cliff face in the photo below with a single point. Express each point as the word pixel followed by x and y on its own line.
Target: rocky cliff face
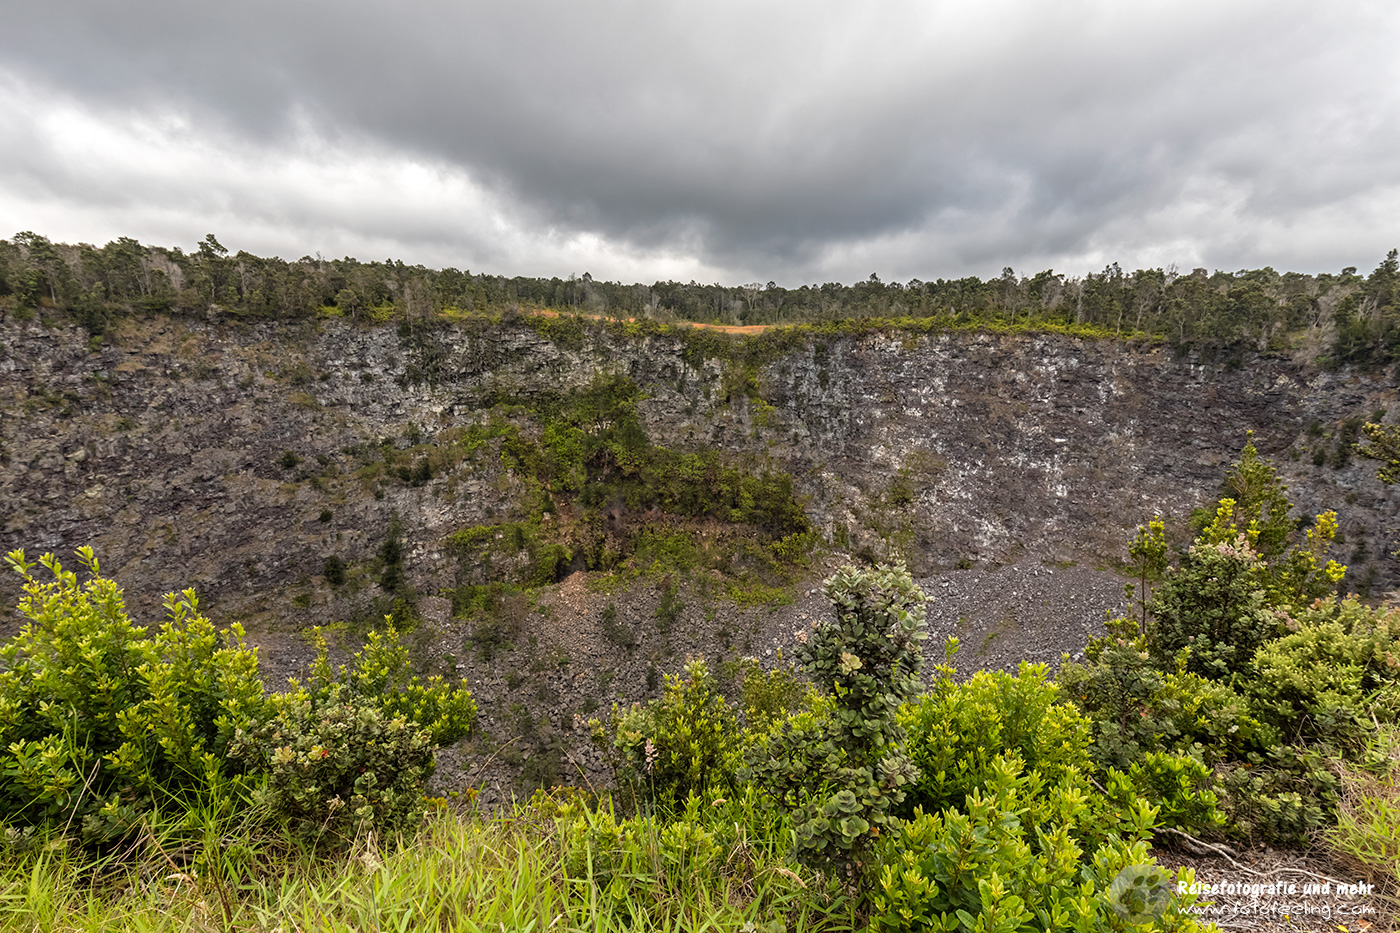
pixel 233 458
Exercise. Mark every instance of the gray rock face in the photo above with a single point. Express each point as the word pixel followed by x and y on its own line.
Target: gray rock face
pixel 166 449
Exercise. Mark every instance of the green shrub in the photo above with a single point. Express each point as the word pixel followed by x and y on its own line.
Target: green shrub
pixel 956 730
pixel 997 865
pixel 334 570
pixel 768 697
pixel 1282 794
pixel 615 631
pixel 1179 786
pixel 349 751
pixel 1333 677
pixel 101 722
pixel 685 742
pixel 669 609
pixel 1213 610
pixel 845 774
pixel 1136 708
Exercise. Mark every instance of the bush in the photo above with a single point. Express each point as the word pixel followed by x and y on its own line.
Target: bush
pixel 686 742
pixel 956 730
pixel 668 610
pixel 334 570
pixel 1136 708
pixel 101 723
pixel 349 752
pixel 996 864
pixel 1213 609
pixel 1333 677
pixel 845 774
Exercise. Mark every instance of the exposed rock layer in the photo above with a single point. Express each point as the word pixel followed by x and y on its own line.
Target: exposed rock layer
pixel 164 449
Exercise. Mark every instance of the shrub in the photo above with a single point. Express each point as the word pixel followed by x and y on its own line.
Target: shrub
pixel 1282 794
pixel 615 631
pixel 769 697
pixel 845 774
pixel 1334 676
pixel 349 751
pixel 956 730
pixel 1179 786
pixel 334 570
pixel 685 742
pixel 995 864
pixel 669 609
pixel 1136 708
pixel 1213 608
pixel 101 723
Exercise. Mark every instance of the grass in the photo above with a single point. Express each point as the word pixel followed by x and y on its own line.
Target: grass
pixel 1367 834
pixel 460 872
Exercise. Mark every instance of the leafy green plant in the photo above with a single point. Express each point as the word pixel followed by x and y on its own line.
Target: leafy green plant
pixel 845 774
pixel 670 607
pixel 956 729
pixel 686 742
pixel 334 570
pixel 1213 608
pixel 101 722
pixel 349 751
pixel 996 864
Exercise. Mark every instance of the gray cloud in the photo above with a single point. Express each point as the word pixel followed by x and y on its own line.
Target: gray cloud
pixel 799 142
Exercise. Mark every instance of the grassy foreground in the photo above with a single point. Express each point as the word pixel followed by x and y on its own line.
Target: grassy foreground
pixel 460 872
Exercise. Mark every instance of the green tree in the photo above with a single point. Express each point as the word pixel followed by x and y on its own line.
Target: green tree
pixel 846 774
pixel 1384 445
pixel 1149 561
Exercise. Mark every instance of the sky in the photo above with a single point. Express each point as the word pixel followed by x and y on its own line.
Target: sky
pixel 733 142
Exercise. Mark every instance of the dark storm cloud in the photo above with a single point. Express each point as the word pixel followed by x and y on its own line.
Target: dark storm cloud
pixel 790 141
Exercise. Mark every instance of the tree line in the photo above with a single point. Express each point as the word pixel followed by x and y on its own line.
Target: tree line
pixel 1344 318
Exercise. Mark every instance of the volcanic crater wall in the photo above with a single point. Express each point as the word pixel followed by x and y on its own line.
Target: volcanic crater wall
pixel 231 457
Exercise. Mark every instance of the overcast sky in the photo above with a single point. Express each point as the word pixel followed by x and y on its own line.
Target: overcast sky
pixel 810 141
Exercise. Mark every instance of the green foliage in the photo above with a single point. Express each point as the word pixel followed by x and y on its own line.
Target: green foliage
pixel 670 607
pixel 391 577
pixel 334 570
pixel 1218 316
pixel 1213 608
pixel 709 859
pixel 1261 504
pixel 686 742
pixel 1004 861
pixel 1179 786
pixel 599 495
pixel 847 773
pixel 1384 446
pixel 1149 561
pixel 616 631
pixel 957 729
pixel 349 751
pixel 101 722
pixel 1333 677
pixel 768 697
